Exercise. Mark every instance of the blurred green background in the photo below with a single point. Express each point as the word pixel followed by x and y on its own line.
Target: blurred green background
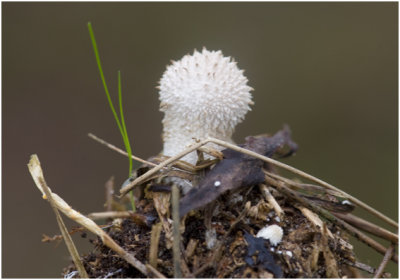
pixel 329 70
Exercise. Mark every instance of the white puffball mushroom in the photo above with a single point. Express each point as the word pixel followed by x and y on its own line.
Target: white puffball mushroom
pixel 273 233
pixel 202 95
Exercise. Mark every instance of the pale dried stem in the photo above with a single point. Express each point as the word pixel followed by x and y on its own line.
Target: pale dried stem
pixel 81 219
pixel 118 150
pixel 301 186
pixel 37 175
pixel 367 226
pixel 176 232
pixel 388 255
pixel 154 272
pixel 272 201
pixel 110 215
pixel 154 241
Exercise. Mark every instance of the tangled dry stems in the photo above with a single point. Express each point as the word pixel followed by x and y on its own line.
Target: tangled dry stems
pixel 282 183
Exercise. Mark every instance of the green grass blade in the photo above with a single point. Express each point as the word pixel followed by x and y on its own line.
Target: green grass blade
pixel 125 137
pixel 120 123
pixel 125 134
pixel 96 53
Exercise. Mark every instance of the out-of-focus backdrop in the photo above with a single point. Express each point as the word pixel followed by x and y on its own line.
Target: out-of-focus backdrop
pixel 329 70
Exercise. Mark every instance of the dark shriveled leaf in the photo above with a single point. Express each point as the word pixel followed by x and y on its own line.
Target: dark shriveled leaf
pixel 259 256
pixel 237 170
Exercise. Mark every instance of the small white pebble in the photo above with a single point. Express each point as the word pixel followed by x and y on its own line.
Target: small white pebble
pixel 289 253
pixel 273 233
pixel 277 219
pixel 217 183
pixel 272 249
pixel 279 252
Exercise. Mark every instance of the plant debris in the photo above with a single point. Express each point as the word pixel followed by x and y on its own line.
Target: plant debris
pixel 218 233
pixel 237 170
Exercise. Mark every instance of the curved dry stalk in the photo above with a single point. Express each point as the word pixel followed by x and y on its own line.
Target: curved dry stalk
pixel 37 174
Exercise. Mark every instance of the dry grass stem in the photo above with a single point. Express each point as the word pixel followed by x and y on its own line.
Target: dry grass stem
pixel 60 204
pixel 176 232
pixel 37 175
pixel 302 186
pixel 388 255
pixel 154 272
pixel 110 215
pixel 155 239
pixel 215 153
pixel 271 200
pixel 118 150
pixel 368 227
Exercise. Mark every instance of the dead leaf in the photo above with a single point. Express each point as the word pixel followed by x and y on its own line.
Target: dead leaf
pixel 237 170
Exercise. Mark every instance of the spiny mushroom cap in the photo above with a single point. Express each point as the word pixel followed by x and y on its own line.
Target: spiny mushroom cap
pixel 202 95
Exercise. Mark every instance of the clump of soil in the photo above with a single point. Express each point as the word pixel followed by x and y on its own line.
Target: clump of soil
pixel 306 249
